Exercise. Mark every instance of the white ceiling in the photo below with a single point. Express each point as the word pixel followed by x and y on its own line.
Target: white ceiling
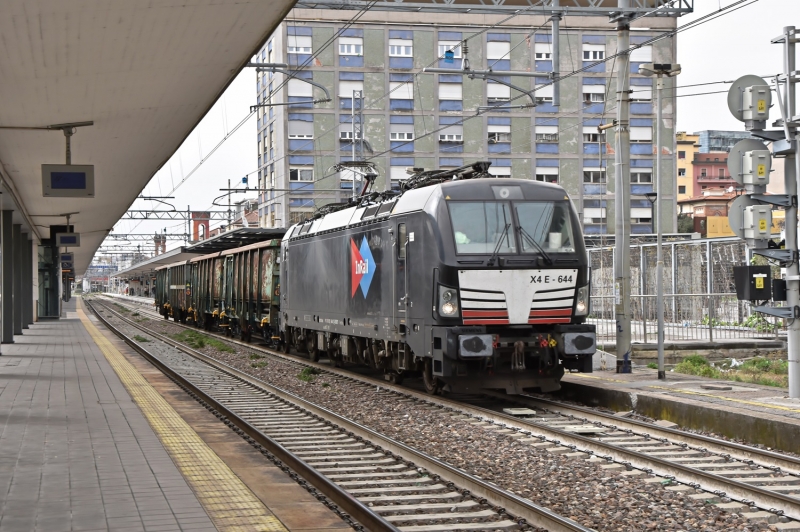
pixel 145 71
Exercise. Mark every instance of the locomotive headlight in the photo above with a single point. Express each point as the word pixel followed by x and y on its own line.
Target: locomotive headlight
pixel 448 301
pixel 582 303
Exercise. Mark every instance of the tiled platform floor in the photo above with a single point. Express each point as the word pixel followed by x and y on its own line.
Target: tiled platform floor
pixel 76 453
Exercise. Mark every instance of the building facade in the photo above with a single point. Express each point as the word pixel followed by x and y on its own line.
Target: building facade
pixel 714 140
pixel 418 120
pixel 710 171
pixel 687 146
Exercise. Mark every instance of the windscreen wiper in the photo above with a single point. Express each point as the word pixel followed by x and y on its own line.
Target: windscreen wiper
pixel 504 234
pixel 535 244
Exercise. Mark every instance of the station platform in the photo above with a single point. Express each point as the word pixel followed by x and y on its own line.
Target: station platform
pixel 751 412
pixel 92 437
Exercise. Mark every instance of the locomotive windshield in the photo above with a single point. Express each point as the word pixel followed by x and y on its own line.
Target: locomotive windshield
pixel 483 227
pixel 488 227
pixel 547 223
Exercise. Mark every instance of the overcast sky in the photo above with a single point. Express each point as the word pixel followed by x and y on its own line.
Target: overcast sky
pixel 736 44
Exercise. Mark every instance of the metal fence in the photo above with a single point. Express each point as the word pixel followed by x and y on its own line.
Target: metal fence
pixel 699 293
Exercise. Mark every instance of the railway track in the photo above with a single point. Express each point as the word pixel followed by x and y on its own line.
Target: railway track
pixel 761 484
pixel 382 483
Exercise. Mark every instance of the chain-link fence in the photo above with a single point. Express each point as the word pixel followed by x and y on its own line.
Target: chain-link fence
pixel 699 293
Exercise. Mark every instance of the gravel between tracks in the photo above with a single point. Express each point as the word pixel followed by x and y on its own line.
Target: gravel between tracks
pixel 596 498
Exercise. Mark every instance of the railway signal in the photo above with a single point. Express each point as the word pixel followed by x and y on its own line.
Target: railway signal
pixel 750 216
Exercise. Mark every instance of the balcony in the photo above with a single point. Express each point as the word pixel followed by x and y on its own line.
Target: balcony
pixel 715 179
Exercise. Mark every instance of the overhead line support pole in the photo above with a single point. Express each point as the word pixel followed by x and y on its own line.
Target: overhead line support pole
pixel 791 176
pixel 622 201
pixel 556 19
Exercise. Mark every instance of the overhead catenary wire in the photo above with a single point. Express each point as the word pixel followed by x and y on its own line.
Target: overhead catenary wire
pixel 691 25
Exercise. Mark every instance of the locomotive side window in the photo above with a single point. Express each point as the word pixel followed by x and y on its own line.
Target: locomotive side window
pixel 483 227
pixel 402 236
pixel 547 223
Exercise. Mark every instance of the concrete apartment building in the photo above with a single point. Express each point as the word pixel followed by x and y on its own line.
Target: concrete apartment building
pixel 414 119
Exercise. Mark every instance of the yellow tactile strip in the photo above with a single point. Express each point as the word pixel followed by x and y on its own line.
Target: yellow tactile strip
pixel 229 503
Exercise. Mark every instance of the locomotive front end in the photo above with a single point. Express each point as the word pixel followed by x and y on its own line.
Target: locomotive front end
pixel 512 299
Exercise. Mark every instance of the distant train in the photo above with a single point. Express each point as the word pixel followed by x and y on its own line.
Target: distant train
pixel 473 281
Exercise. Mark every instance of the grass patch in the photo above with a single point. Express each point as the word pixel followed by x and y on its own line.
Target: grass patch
pixel 758 370
pixel 256 356
pixel 121 308
pixel 196 340
pixel 259 364
pixel 308 374
pixel 140 338
pixel 135 314
pixel 698 365
pixel 652 365
pixel 325 385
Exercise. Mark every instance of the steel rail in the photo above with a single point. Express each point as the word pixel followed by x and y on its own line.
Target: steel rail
pixel 761 497
pixel 532 513
pixel 347 502
pixel 745 452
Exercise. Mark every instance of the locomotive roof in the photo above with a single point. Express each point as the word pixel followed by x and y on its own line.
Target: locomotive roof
pixel 415 200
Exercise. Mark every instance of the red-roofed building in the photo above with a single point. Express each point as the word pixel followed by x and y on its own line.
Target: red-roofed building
pixel 710 172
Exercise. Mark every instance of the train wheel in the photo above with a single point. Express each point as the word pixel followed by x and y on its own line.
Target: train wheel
pixel 432 385
pixel 311 346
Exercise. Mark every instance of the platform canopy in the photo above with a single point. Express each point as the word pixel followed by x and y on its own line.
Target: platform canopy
pixel 150 266
pixel 145 72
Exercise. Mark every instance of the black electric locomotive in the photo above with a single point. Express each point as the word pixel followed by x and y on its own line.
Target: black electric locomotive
pixel 474 281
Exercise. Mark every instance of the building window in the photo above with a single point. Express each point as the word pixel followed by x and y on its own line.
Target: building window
pixel 703 172
pixel 721 172
pixel 681 189
pixel 594 52
pixel 497 92
pixel 497 50
pixel 351 46
pixel 347 134
pixel 681 155
pixel 641 134
pixel 546 174
pixel 401 90
pixel 500 171
pixel 346 88
pixel 301 174
pixel 450 91
pixel 298 44
pixel 401 135
pixel 641 93
pixel 590 134
pixel 454 46
pixel 543 93
pixel 546 133
pixel 499 134
pixel 642 55
pixel 401 48
pixel 454 133
pixel 593 97
pixel 594 93
pixel 681 172
pixel 594 176
pixel 542 51
pixel 299 88
pixel 640 176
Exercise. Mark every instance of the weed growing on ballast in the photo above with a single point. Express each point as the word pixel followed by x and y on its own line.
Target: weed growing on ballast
pixel 308 374
pixel 196 340
pixel 140 338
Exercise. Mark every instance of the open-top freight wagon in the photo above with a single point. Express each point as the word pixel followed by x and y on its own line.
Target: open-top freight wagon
pixel 235 291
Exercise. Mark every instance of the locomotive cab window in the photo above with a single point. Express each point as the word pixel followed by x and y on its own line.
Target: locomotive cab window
pixel 482 227
pixel 546 224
